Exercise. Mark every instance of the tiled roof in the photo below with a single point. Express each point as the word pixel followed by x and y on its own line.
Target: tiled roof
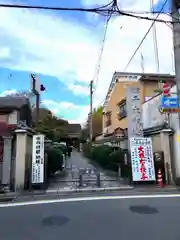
pixel 13 102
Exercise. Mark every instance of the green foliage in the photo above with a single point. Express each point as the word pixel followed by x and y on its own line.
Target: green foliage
pixel 107 157
pixel 54 128
pixel 96 124
pixel 97 121
pixel 63 148
pixel 84 134
pixel 116 159
pixel 55 160
pixel 101 154
pixel 87 150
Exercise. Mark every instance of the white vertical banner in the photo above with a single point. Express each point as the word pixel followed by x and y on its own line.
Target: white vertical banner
pixel 135 127
pixel 38 159
pixel 142 159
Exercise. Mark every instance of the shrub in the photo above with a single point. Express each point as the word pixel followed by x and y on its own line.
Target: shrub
pixel 101 155
pixel 55 160
pixel 63 148
pixel 116 158
pixel 87 150
pixel 108 157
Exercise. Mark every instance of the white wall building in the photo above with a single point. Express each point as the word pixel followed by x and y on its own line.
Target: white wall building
pixel 152 117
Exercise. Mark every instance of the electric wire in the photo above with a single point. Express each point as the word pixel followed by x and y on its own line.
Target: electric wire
pixel 96 77
pixel 103 10
pixel 146 34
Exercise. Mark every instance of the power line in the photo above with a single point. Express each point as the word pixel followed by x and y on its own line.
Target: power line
pixel 114 3
pixel 53 8
pixel 103 10
pixel 114 7
pixel 130 60
pixel 96 77
pixel 146 18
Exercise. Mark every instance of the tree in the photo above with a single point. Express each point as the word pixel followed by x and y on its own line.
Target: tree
pixel 84 133
pixel 96 124
pixel 97 121
pixel 54 128
pixel 43 114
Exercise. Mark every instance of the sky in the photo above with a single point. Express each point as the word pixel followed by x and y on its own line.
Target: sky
pixel 63 48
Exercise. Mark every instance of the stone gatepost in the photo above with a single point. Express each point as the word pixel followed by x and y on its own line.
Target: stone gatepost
pixel 21 144
pixel 6 165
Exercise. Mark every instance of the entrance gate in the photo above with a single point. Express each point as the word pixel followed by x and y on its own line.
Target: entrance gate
pixel 81 178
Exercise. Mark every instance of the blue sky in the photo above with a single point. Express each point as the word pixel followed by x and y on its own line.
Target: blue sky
pixel 62 49
pixel 159 5
pixel 56 89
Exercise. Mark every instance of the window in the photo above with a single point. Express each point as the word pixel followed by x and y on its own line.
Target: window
pixel 122 110
pixel 108 119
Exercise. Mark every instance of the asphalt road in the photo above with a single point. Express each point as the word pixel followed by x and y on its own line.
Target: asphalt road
pixel 128 218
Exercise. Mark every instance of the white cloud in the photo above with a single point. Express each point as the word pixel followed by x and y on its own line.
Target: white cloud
pixel 57 46
pixel 79 89
pixel 63 48
pixel 61 108
pixel 4 53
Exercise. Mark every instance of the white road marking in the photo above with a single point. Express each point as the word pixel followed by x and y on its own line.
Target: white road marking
pixel 88 199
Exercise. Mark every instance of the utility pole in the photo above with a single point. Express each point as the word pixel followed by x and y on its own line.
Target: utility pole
pixel 36 93
pixel 176 42
pixel 37 88
pixel 37 107
pixel 91 111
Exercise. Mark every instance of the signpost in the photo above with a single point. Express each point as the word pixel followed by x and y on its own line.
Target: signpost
pixel 140 148
pixel 169 104
pixel 142 159
pixel 38 160
pixel 166 89
pixel 135 127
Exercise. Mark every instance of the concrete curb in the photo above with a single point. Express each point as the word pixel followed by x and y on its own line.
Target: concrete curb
pixel 81 190
pixel 5 197
pixel 52 192
pixel 157 189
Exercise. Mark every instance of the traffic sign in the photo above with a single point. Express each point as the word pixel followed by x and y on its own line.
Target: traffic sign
pixel 169 102
pixel 166 89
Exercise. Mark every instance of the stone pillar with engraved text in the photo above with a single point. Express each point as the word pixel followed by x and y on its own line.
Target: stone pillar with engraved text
pixel 6 166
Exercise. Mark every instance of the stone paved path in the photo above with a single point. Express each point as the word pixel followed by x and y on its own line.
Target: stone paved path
pixel 69 178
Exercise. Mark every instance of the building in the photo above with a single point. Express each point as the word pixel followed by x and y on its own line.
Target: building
pixel 114 109
pixel 14 109
pixel 15 148
pixel 73 135
pixel 165 134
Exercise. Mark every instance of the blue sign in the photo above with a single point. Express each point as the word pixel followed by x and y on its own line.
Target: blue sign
pixel 169 102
